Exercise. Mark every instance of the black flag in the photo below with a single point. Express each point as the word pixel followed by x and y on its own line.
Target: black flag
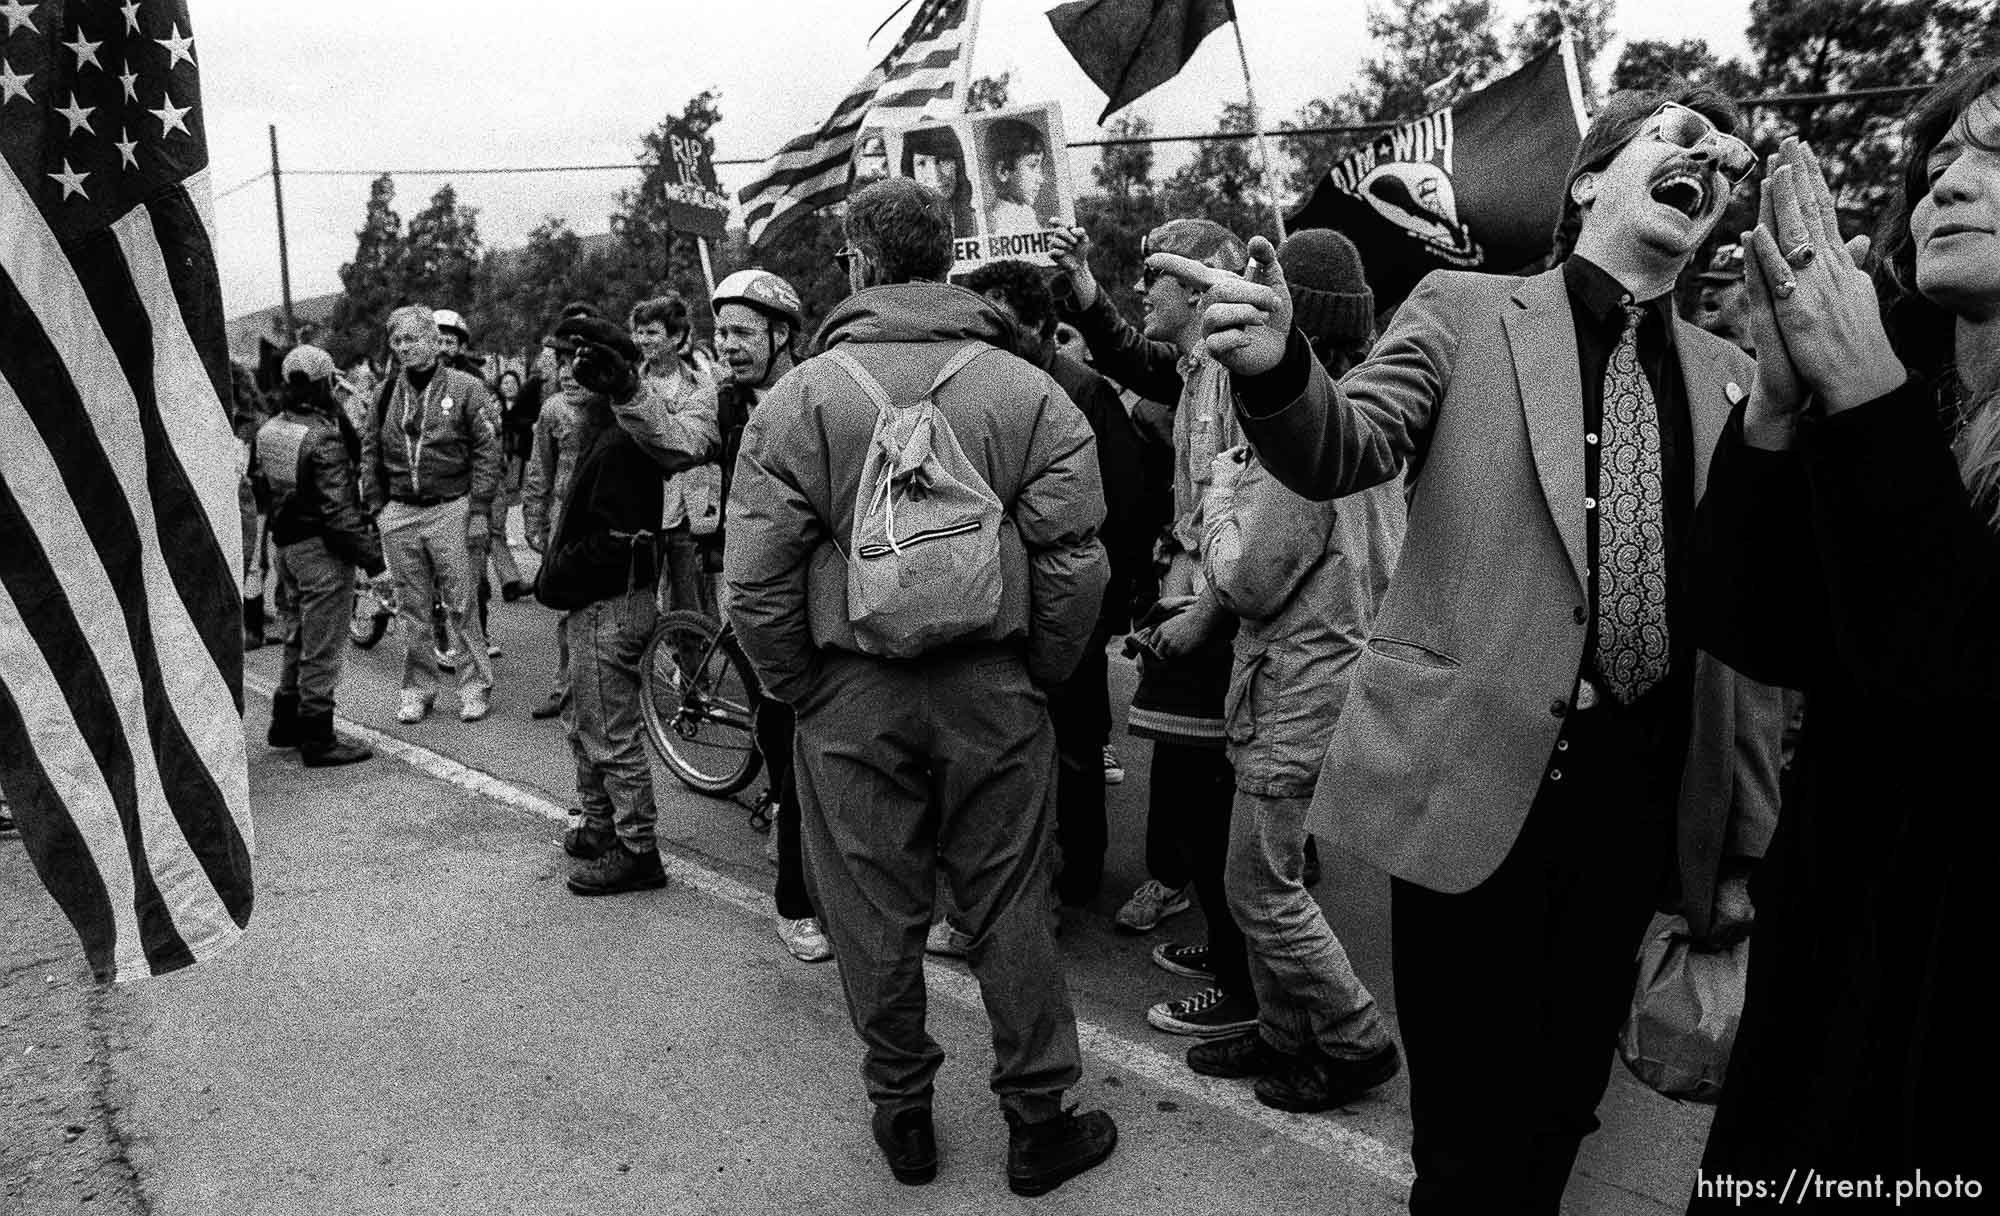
pixel 1130 47
pixel 1476 186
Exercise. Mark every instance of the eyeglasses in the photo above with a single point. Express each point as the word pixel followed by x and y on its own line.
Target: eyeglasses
pixel 1675 124
pixel 845 255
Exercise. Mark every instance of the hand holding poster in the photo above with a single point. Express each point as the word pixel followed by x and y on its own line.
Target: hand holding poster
pixel 1005 173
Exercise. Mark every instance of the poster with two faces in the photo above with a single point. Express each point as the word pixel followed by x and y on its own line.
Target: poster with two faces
pixel 1004 172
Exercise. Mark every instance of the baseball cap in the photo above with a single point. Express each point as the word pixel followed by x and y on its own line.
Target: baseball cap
pixel 1200 240
pixel 309 361
pixel 1726 266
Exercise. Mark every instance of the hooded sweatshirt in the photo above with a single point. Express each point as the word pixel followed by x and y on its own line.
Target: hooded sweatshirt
pixel 792 494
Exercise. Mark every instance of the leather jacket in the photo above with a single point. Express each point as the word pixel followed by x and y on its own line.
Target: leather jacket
pixel 303 471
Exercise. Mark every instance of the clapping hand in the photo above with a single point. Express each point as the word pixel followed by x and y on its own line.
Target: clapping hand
pixel 1811 304
pixel 1246 318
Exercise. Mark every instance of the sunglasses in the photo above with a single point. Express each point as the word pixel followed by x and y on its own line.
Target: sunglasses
pixel 845 255
pixel 1675 124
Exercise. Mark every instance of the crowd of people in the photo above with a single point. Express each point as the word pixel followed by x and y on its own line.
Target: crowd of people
pixel 1510 591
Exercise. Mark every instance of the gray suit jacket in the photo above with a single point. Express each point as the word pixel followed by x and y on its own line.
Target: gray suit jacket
pixel 1456 703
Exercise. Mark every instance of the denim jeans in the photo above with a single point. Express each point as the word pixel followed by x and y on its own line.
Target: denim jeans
pixel 1307 993
pixel 321 589
pixel 427 552
pixel 614 776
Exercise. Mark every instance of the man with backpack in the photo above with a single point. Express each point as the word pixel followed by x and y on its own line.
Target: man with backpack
pixel 912 561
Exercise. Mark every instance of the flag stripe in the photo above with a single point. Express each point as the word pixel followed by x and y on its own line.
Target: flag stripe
pixel 812 170
pixel 204 585
pixel 70 610
pixel 197 429
pixel 102 403
pixel 67 862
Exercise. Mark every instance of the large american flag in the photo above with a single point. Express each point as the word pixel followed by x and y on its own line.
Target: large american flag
pixel 918 79
pixel 121 646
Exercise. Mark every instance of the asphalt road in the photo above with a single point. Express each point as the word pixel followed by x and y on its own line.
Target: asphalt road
pixel 424 1020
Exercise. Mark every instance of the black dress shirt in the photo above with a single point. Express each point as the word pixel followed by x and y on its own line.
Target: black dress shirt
pixel 1597 306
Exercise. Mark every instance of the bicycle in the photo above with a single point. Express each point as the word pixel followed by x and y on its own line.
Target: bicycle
pixel 700 702
pixel 373 610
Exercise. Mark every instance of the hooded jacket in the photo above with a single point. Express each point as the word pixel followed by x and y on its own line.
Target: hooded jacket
pixel 1303 579
pixel 792 494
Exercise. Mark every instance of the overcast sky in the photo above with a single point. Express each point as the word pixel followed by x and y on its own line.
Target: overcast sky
pixel 408 84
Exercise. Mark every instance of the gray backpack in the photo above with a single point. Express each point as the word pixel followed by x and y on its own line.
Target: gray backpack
pixel 923 562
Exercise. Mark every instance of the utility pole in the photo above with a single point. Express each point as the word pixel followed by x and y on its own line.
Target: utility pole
pixel 284 253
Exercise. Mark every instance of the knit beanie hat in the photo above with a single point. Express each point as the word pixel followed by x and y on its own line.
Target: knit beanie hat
pixel 1330 296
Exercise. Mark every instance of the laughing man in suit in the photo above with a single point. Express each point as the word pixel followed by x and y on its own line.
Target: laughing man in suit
pixel 1513 741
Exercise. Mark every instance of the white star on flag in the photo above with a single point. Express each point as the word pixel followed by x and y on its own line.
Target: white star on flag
pixel 79 116
pixel 131 11
pixel 72 181
pixel 171 116
pixel 178 48
pixel 18 15
pixel 84 50
pixel 13 85
pixel 126 146
pixel 130 79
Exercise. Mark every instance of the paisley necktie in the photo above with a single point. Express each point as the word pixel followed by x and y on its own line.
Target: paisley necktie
pixel 1631 528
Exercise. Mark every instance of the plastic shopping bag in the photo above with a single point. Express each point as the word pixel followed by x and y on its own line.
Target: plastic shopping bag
pixel 1685 1010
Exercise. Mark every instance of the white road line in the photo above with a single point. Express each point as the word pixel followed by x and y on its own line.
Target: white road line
pixel 1323 1135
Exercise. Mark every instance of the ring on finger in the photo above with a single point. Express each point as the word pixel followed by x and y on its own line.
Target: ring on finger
pixel 1784 288
pixel 1799 256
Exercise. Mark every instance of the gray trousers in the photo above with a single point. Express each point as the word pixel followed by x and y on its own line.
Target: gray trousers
pixel 904 767
pixel 1308 996
pixel 320 588
pixel 614 775
pixel 427 552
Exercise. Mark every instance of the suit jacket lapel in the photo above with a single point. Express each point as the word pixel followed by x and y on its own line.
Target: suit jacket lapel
pixel 1542 338
pixel 1708 403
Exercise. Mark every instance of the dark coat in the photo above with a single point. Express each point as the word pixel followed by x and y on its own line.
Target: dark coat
pixel 1853 567
pixel 604 541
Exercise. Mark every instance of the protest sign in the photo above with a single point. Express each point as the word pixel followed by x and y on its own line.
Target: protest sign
pixel 1006 174
pixel 695 202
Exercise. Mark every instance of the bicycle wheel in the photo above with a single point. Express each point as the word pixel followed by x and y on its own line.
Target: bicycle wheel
pixel 700 704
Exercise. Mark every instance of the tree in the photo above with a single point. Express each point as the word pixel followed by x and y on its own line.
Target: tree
pixel 1224 181
pixel 1820 46
pixel 652 256
pixel 1429 52
pixel 1308 157
pixel 441 252
pixel 1124 208
pixel 1589 26
pixel 1652 63
pixel 371 283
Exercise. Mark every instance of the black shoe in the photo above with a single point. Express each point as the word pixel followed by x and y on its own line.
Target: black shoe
pixel 319 747
pixel 1238 1055
pixel 551 705
pixel 1189 960
pixel 1309 875
pixel 909 1141
pixel 513 589
pixel 284 732
pixel 588 843
pixel 617 871
pixel 1042 1156
pixel 6 822
pixel 1319 1082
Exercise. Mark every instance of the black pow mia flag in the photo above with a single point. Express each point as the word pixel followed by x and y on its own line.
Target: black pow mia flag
pixel 1475 186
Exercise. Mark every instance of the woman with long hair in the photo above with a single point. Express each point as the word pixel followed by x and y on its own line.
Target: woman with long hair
pixel 1850 545
pixel 932 156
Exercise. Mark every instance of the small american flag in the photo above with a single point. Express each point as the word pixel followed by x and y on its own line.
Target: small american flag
pixel 919 78
pixel 121 646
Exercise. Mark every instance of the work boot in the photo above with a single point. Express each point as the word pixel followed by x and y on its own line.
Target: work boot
pixel 253 623
pixel 284 732
pixel 617 871
pixel 1042 1156
pixel 908 1139
pixel 1317 1082
pixel 551 705
pixel 319 747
